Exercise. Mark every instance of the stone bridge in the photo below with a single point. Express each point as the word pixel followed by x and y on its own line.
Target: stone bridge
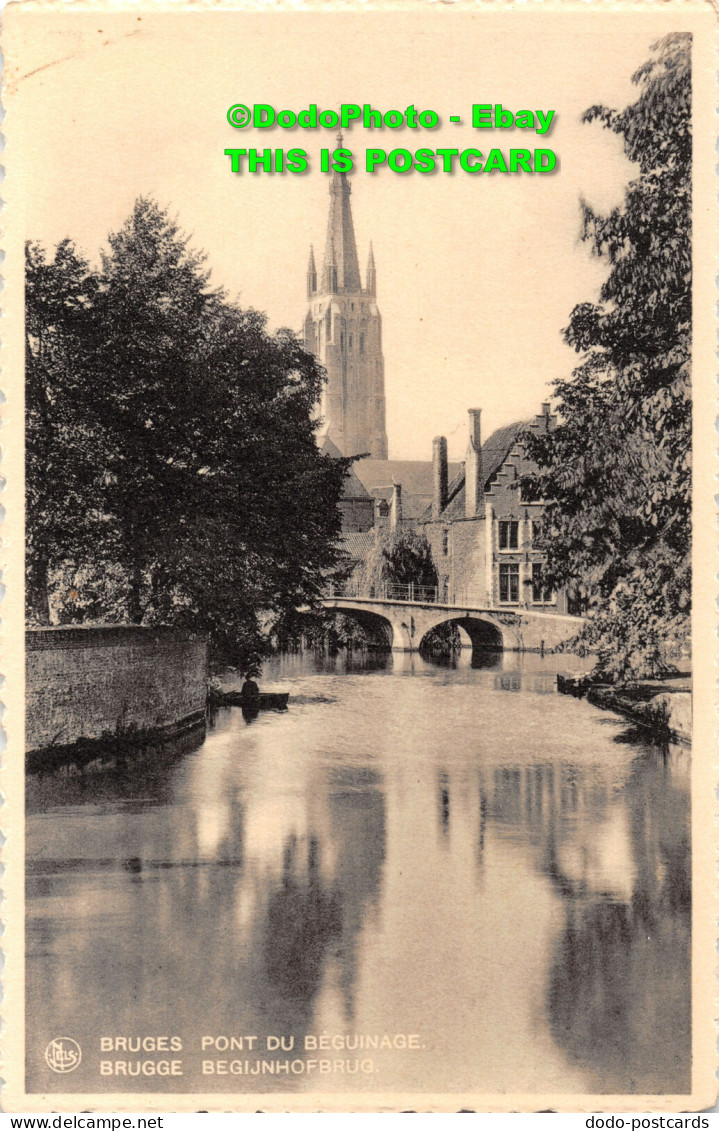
pixel 402 625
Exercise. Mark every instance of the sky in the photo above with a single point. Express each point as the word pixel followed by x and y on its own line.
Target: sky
pixel 476 274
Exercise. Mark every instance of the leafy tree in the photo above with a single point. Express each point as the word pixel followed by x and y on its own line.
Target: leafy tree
pixel 617 468
pixel 258 531
pixel 402 557
pixel 321 630
pixel 213 504
pixel 60 329
pixel 153 411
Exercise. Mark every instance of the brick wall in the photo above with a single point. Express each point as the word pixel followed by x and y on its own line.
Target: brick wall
pixel 83 682
pixel 463 566
pixel 468 561
pixel 357 514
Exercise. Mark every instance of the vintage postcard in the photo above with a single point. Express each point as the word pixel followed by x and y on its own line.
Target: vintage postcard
pixel 359 444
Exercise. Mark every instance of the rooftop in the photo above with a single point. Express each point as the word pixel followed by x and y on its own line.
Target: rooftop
pixel 494 453
pixel 353 488
pixel 357 545
pixel 415 477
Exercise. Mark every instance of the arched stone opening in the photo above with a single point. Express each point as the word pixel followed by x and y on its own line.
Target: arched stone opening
pixel 443 643
pixel 485 637
pixel 377 629
pixel 482 633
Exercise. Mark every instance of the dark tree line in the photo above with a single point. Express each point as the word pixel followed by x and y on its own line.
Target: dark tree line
pixel 618 466
pixel 172 474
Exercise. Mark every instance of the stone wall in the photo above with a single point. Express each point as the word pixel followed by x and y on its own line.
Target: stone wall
pixel 84 683
pixel 544 631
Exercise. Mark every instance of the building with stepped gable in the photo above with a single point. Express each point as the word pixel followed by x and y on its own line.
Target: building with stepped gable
pixel 482 529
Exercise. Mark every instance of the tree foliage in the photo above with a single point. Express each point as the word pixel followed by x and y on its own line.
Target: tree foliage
pixel 187 486
pixel 617 468
pixel 400 557
pixel 60 330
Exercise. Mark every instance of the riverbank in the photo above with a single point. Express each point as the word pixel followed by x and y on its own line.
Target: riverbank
pixel 661 706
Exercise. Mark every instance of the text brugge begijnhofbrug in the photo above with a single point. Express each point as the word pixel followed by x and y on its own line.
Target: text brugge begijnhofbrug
pixel 323 1054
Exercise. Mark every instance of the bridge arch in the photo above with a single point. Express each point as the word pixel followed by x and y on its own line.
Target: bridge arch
pixel 404 624
pixel 378 628
pixel 483 633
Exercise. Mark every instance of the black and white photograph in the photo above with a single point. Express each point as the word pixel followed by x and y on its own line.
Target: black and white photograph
pixel 359 557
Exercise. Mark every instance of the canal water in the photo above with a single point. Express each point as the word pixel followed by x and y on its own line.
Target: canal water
pixel 428 877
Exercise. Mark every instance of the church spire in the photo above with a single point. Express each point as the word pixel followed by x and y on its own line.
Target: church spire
pixel 341 266
pixel 371 272
pixel 311 274
pixel 343 328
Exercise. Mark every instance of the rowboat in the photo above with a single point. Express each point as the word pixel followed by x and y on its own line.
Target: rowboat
pixel 265 701
pixel 573 685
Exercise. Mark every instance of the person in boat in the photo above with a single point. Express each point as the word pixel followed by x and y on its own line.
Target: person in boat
pixel 250 689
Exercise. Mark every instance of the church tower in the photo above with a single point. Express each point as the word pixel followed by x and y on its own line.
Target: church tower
pixel 343 328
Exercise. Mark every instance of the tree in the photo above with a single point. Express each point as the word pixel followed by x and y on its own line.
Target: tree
pixel 400 557
pixel 214 506
pixel 153 409
pixel 617 468
pixel 61 329
pixel 259 525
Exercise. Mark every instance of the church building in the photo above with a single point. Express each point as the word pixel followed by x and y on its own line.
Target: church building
pixel 343 328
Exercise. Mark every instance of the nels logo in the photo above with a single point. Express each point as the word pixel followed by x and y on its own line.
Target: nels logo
pixel 63 1054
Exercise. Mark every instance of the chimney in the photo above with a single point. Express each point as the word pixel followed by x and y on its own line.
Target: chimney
pixel 473 473
pixel 395 511
pixel 439 469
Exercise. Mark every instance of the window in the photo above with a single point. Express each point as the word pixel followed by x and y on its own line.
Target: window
pixel 445 542
pixel 508 534
pixel 361 343
pixel 350 341
pixel 536 531
pixel 541 593
pixel 509 583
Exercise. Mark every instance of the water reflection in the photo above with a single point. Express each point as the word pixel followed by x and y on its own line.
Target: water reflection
pixel 443 796
pixel 410 848
pixel 303 917
pixel 628 910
